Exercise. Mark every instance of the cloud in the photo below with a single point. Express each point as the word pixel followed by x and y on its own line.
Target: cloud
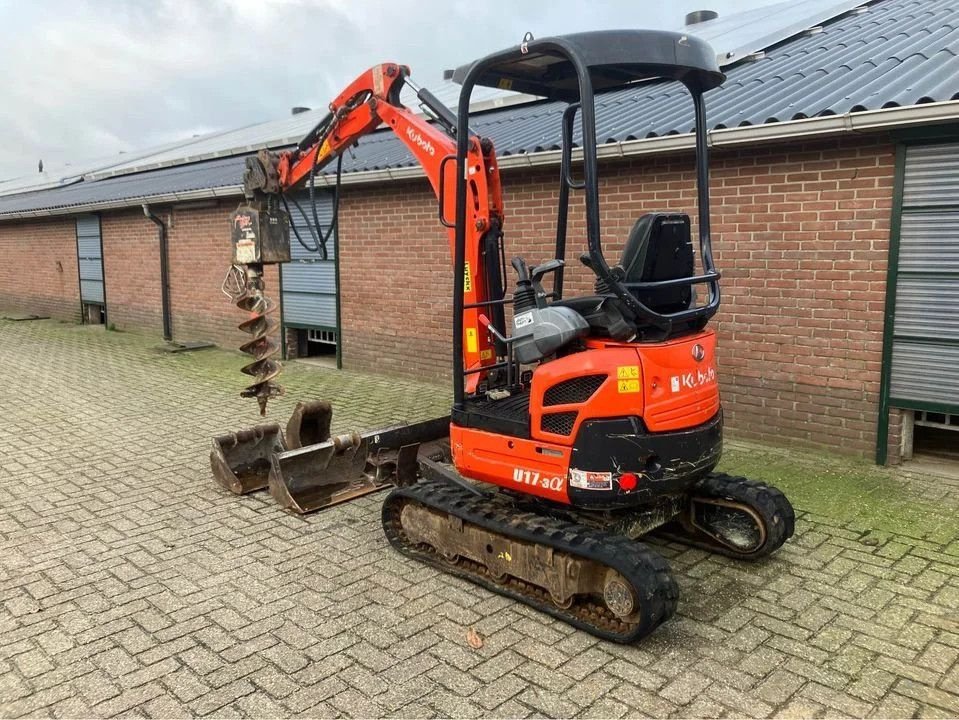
pixel 93 78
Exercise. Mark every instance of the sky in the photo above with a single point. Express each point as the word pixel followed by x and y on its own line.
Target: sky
pixel 88 79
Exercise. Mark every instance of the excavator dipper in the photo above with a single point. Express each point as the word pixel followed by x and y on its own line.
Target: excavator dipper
pixel 591 421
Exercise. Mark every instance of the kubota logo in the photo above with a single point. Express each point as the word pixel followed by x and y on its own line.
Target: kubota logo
pixel 418 139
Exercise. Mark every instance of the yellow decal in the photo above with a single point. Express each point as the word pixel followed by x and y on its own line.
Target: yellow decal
pixel 472 344
pixel 467 279
pixel 505 84
pixel 486 354
pixel 627 377
pixel 504 555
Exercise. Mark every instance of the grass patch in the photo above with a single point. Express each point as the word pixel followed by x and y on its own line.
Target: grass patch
pixel 856 492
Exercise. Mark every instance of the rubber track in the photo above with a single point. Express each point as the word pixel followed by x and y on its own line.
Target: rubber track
pixel 768 501
pixel 647 571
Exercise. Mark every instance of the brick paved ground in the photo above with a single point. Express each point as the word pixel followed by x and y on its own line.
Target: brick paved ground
pixel 129 584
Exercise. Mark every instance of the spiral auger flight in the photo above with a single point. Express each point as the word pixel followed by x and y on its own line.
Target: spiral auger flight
pixel 246 288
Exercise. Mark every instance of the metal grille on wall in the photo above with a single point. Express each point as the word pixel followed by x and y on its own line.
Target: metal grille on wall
pixel 90 260
pixel 925 342
pixel 309 282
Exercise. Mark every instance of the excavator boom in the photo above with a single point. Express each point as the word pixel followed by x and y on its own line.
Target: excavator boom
pixel 372 100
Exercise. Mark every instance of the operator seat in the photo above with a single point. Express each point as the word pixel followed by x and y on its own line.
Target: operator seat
pixel 659 247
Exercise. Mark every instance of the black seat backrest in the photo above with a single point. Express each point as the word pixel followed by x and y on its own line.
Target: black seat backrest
pixel 660 247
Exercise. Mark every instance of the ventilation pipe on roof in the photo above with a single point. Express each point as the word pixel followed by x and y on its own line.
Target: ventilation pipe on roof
pixel 299 109
pixel 700 16
pixel 164 271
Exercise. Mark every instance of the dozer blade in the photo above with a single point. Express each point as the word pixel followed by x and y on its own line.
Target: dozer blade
pixel 348 466
pixel 241 460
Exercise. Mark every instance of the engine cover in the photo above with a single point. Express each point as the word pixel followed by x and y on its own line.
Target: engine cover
pixel 540 332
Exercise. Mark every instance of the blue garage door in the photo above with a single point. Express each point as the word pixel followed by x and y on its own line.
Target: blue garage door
pixel 309 282
pixel 90 260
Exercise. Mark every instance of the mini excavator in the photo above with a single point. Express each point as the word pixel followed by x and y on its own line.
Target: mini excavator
pixel 579 423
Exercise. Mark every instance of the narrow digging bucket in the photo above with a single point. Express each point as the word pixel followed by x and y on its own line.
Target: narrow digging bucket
pixel 309 424
pixel 348 466
pixel 241 460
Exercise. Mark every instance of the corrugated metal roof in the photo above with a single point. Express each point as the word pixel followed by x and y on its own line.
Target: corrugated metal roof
pixel 180 180
pixel 276 133
pixel 898 52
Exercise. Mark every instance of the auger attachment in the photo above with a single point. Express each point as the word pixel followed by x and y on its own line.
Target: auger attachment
pixel 263 346
pixel 260 236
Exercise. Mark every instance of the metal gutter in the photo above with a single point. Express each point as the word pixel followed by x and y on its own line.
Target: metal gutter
pixel 814 128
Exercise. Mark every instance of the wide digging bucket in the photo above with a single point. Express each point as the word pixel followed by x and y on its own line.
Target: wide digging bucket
pixel 241 460
pixel 348 466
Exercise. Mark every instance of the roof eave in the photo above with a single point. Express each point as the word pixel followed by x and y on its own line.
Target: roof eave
pixel 813 128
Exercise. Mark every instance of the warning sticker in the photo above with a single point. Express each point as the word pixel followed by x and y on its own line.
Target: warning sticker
pixel 627 379
pixel 245 252
pixel 467 279
pixel 486 354
pixel 587 480
pixel 472 343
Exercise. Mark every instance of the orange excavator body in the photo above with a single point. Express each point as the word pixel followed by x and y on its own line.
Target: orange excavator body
pixel 595 418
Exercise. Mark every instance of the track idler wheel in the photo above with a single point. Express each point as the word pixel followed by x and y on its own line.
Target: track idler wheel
pixel 737 517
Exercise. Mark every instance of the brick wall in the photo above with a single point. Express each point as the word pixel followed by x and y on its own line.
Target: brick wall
pixel 131 267
pixel 199 247
pixel 800 234
pixel 38 268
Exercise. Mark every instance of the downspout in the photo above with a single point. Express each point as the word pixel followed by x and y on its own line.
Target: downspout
pixel 164 271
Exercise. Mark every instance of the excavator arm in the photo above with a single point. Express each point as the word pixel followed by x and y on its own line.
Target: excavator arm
pixel 369 102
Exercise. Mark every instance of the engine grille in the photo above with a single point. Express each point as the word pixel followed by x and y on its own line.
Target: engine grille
pixel 576 390
pixel 558 423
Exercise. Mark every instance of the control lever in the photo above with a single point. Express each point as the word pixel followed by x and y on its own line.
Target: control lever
pixel 538 273
pixel 519 265
pixel 547 267
pixel 485 322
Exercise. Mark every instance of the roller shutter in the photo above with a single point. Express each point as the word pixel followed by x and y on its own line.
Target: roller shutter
pixel 925 351
pixel 309 282
pixel 90 260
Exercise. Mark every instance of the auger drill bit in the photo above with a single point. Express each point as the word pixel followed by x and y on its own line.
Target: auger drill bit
pixel 263 346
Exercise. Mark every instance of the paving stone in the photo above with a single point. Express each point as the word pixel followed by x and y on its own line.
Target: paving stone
pixel 131 585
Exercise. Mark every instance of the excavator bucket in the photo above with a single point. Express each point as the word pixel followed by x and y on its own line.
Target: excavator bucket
pixel 241 460
pixel 345 467
pixel 309 424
